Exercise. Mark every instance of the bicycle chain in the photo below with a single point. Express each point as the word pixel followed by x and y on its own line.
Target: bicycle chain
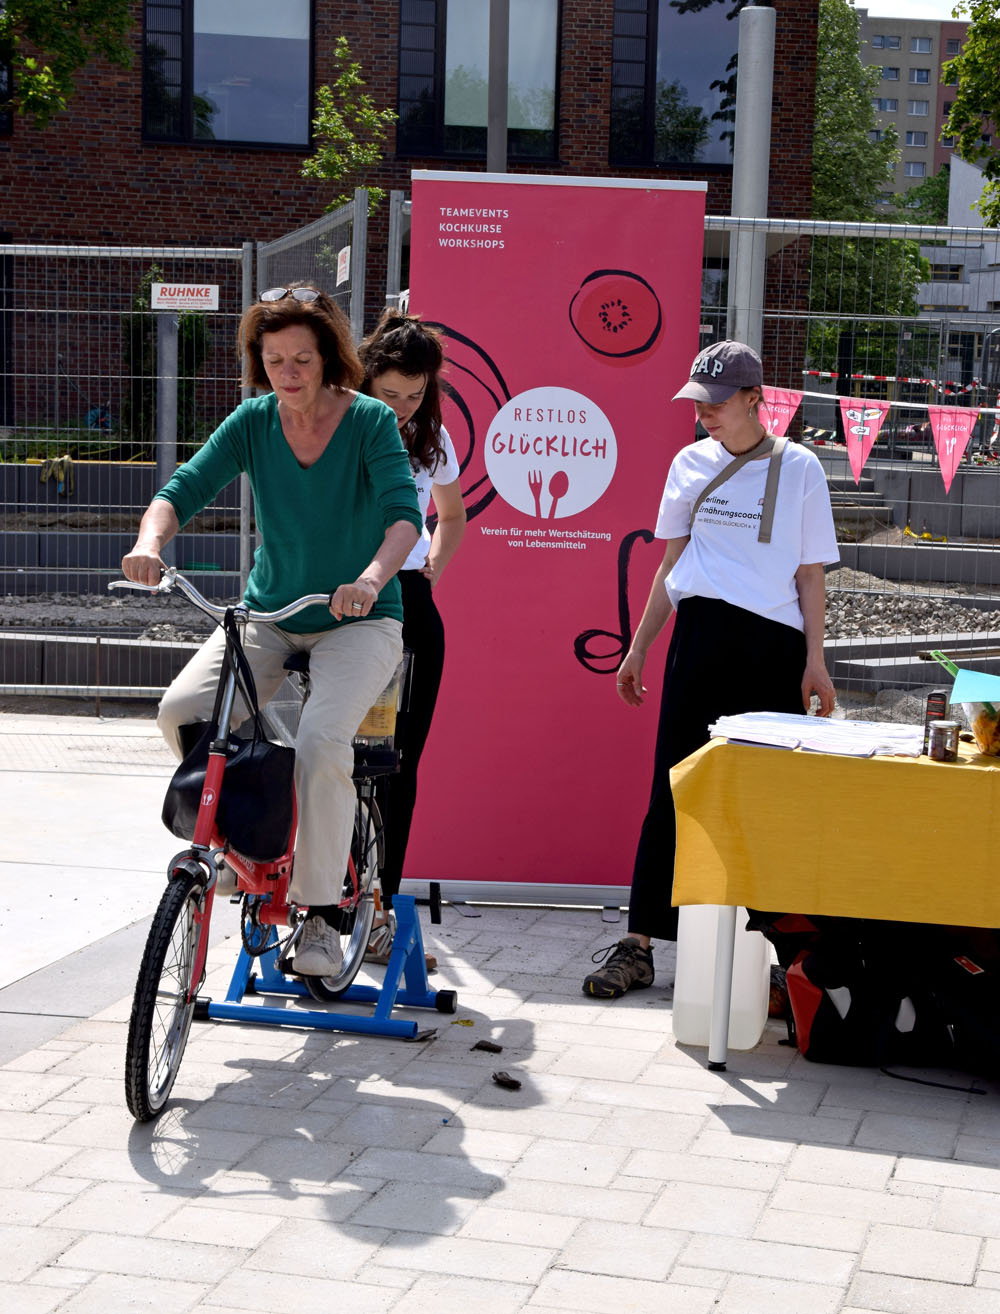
pixel 257 947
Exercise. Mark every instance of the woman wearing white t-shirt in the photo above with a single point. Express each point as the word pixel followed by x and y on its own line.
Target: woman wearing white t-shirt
pixel 749 599
pixel 402 360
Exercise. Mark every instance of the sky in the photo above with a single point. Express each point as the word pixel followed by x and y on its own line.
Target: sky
pixel 940 9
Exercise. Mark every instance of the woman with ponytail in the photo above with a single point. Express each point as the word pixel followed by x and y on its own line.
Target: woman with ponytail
pixel 402 360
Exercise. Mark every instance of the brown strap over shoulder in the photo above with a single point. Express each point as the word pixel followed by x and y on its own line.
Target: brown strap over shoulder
pixel 776 447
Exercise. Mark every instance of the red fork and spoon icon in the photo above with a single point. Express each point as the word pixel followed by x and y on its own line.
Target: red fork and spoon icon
pixel 558 488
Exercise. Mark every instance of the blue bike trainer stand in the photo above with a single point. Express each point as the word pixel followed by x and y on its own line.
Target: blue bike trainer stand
pixel 405 984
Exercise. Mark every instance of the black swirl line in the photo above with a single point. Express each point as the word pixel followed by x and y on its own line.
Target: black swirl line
pixel 607 663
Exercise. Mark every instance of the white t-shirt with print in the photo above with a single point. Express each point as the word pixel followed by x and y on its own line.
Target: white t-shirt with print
pixel 446 472
pixel 723 558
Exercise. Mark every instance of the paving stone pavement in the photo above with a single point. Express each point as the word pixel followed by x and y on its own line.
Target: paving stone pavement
pixel 323 1171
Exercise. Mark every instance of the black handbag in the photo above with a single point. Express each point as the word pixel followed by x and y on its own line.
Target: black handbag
pixel 256 802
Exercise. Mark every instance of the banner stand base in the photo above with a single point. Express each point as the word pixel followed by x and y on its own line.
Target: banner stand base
pixel 607 898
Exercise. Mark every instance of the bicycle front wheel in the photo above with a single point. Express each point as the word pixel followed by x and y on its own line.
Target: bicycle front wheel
pixel 163 1005
pixel 357 910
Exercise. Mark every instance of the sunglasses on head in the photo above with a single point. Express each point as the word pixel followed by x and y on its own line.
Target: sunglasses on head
pixel 299 293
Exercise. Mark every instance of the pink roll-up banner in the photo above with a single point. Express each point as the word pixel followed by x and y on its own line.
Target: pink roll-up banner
pixel 952 427
pixel 862 421
pixel 570 309
pixel 780 405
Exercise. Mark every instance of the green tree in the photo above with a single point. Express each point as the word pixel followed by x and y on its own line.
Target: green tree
pixel 977 98
pixel 849 168
pixel 927 202
pixel 860 287
pixel 349 129
pixel 43 43
pixel 680 129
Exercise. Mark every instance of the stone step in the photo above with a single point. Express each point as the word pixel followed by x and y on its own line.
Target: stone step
pixel 857 497
pixel 35 660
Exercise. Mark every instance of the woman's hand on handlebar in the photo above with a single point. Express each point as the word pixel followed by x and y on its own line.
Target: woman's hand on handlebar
pixel 143 565
pixel 353 601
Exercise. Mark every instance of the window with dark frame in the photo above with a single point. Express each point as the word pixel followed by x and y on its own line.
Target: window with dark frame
pixel 227 71
pixel 673 83
pixel 6 116
pixel 443 78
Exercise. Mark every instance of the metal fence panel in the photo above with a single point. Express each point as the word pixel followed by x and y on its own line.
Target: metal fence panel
pixel 903 316
pixel 900 314
pixel 331 252
pixel 82 405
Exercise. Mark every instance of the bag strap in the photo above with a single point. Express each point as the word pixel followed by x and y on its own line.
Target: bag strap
pixel 771 490
pixel 768 443
pixel 237 659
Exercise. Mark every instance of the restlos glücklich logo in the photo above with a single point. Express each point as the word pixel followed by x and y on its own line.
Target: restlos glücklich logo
pixel 550 452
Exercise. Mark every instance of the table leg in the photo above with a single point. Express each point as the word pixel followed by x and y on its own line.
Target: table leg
pixel 722 989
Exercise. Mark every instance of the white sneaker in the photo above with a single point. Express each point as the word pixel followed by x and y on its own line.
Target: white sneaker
pixel 318 951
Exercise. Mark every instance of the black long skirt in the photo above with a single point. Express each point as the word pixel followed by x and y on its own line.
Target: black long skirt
pixel 722 660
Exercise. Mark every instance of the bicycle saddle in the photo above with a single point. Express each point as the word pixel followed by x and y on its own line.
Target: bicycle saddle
pixel 297 661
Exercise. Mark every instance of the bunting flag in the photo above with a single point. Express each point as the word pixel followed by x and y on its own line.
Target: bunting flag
pixel 952 427
pixel 781 405
pixel 862 421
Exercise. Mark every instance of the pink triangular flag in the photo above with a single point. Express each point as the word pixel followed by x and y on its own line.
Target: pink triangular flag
pixel 780 405
pixel 862 421
pixel 952 427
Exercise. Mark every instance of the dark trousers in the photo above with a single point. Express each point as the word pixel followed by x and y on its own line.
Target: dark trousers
pixel 722 660
pixel 423 634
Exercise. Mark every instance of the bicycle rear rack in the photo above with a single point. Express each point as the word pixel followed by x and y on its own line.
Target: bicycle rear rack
pixel 405 985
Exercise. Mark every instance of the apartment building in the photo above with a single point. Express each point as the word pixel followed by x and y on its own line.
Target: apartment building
pixel 911 95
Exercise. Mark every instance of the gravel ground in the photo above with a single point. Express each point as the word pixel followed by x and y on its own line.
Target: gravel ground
pixel 143 616
pixel 857 604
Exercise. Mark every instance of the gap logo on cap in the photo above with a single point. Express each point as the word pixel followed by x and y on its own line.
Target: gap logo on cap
pixel 707 363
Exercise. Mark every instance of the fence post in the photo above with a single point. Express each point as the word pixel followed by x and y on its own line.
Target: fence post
pixel 166 407
pixel 246 497
pixel 359 249
pixel 394 262
pixel 751 160
pixel 496 87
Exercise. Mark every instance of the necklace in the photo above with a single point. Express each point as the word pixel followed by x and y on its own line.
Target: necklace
pixel 747 450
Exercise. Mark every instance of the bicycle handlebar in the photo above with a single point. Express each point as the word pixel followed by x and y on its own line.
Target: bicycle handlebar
pixel 171 579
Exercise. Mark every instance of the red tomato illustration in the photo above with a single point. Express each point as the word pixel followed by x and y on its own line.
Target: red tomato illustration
pixel 616 313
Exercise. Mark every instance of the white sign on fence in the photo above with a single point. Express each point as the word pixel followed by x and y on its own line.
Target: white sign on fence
pixel 184 296
pixel 343 265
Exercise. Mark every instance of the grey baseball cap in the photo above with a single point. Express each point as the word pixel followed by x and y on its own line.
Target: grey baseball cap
pixel 721 370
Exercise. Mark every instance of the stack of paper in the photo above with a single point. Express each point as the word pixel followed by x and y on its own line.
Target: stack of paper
pixel 821 735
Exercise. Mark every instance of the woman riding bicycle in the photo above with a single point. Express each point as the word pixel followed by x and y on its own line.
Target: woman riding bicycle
pixel 336 511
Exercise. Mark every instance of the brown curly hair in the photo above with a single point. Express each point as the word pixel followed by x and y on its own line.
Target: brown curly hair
pixel 405 343
pixel 330 327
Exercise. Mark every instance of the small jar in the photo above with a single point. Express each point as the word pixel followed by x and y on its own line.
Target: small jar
pixel 942 743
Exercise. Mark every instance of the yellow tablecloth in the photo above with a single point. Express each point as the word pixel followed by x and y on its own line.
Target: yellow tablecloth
pixel 883 837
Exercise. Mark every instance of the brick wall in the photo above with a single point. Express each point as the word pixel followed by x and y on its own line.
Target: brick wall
pixel 90 178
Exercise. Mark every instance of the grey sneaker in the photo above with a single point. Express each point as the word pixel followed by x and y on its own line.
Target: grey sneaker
pixel 318 951
pixel 379 949
pixel 628 967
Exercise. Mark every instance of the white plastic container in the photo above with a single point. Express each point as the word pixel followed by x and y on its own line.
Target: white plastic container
pixel 693 983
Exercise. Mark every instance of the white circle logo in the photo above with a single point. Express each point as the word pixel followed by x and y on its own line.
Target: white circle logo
pixel 550 452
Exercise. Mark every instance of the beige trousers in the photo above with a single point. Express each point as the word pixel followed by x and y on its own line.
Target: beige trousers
pixel 348 667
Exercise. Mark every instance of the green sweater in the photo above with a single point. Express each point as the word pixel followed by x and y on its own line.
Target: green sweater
pixel 319 527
